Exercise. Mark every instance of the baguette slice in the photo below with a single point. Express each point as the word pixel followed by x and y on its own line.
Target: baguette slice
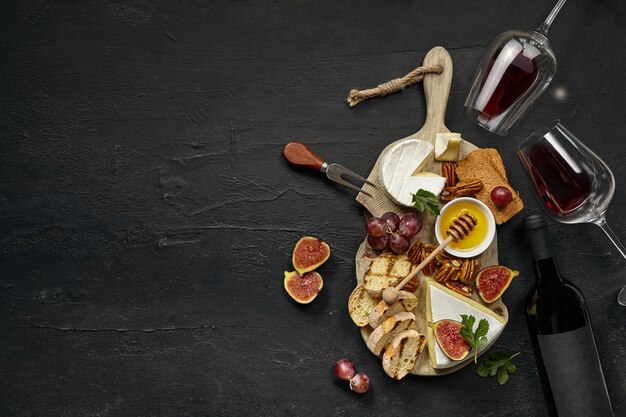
pixel 388 329
pixel 386 270
pixel 360 305
pixel 382 311
pixel 402 353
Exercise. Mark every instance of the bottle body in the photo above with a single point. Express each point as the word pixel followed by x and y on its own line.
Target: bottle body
pixel 562 336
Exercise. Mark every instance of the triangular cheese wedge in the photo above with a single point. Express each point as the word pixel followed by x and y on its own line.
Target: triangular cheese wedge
pixel 443 303
pixel 447 146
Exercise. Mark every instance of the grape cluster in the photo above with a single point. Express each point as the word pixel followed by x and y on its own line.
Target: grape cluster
pixel 389 230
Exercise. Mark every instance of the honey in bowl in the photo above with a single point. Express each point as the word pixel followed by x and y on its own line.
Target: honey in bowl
pixel 476 236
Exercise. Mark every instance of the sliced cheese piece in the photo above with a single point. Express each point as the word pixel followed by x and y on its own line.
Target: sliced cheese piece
pixel 447 146
pixel 443 303
pixel 426 174
pixel 402 160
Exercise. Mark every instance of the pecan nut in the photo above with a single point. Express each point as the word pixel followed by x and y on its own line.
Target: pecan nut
pixel 461 189
pixel 467 188
pixel 460 288
pixel 430 267
pixel 414 252
pixel 468 270
pixel 447 194
pixel 448 171
pixel 443 257
pixel 448 271
pixel 412 285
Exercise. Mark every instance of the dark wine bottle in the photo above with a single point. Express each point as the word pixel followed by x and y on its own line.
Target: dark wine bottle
pixel 561 331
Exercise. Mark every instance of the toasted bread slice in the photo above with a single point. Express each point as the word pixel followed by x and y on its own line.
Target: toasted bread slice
pixel 388 329
pixel 402 353
pixel 360 305
pixel 382 311
pixel 386 270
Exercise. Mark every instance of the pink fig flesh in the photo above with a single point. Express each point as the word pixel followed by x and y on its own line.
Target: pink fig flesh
pixel 447 333
pixel 309 254
pixel 303 288
pixel 491 282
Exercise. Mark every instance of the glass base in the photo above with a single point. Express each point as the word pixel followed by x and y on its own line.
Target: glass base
pixel 492 124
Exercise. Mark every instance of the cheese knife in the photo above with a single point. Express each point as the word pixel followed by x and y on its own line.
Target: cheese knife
pixel 298 154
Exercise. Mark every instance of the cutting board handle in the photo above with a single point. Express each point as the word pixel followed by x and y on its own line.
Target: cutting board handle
pixel 437 89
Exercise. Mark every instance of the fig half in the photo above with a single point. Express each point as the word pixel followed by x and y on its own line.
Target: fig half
pixel 491 282
pixel 309 254
pixel 303 288
pixel 450 340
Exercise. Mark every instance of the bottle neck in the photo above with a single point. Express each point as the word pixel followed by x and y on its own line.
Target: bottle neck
pixel 546 269
pixel 540 244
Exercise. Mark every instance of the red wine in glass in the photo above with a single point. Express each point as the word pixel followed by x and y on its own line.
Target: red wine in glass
pixel 561 183
pixel 506 79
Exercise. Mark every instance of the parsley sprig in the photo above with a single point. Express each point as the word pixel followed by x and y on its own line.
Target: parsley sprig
pixel 477 339
pixel 499 363
pixel 426 201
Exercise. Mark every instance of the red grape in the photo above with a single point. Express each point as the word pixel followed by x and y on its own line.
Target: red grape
pixel 378 243
pixel 344 369
pixel 375 227
pixel 392 220
pixel 501 196
pixel 399 243
pixel 360 383
pixel 410 224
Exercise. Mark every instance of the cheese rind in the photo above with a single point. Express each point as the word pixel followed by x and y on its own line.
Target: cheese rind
pixel 406 158
pixel 442 303
pixel 447 146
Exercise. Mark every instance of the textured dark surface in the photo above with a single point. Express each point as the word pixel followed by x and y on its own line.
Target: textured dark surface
pixel 147 216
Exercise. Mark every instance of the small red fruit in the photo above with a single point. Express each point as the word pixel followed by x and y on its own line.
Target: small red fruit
pixel 501 196
pixel 360 383
pixel 491 282
pixel 392 221
pixel 303 288
pixel 344 369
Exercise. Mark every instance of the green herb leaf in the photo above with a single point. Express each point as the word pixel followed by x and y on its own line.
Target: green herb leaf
pixel 476 339
pixel 426 201
pixel 498 363
pixel 481 335
pixel 503 376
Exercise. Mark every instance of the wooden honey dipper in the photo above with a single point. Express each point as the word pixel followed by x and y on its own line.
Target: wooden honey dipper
pixel 459 229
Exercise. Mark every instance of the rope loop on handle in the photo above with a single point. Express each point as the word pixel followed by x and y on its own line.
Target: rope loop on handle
pixel 397 84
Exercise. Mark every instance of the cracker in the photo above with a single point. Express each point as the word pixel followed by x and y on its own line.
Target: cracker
pixel 486 165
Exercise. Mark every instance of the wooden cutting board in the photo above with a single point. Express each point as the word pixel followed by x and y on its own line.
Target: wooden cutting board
pixel 436 90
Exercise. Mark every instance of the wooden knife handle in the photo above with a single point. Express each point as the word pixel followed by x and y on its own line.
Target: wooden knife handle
pixel 298 154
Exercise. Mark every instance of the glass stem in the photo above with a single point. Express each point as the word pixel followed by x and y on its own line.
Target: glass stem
pixel 543 29
pixel 621 297
pixel 604 226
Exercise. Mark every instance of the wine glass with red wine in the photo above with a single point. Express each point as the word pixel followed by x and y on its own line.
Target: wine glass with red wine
pixel 573 184
pixel 516 70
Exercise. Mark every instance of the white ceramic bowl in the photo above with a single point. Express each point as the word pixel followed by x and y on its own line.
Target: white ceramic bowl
pixel 491 228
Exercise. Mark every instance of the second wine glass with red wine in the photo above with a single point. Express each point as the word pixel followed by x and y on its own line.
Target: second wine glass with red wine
pixel 573 184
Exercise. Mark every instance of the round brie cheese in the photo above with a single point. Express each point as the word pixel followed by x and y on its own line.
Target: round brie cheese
pixel 400 171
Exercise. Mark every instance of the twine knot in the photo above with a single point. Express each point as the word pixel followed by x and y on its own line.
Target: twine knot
pixel 397 84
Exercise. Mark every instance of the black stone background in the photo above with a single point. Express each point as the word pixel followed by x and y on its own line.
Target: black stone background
pixel 147 214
